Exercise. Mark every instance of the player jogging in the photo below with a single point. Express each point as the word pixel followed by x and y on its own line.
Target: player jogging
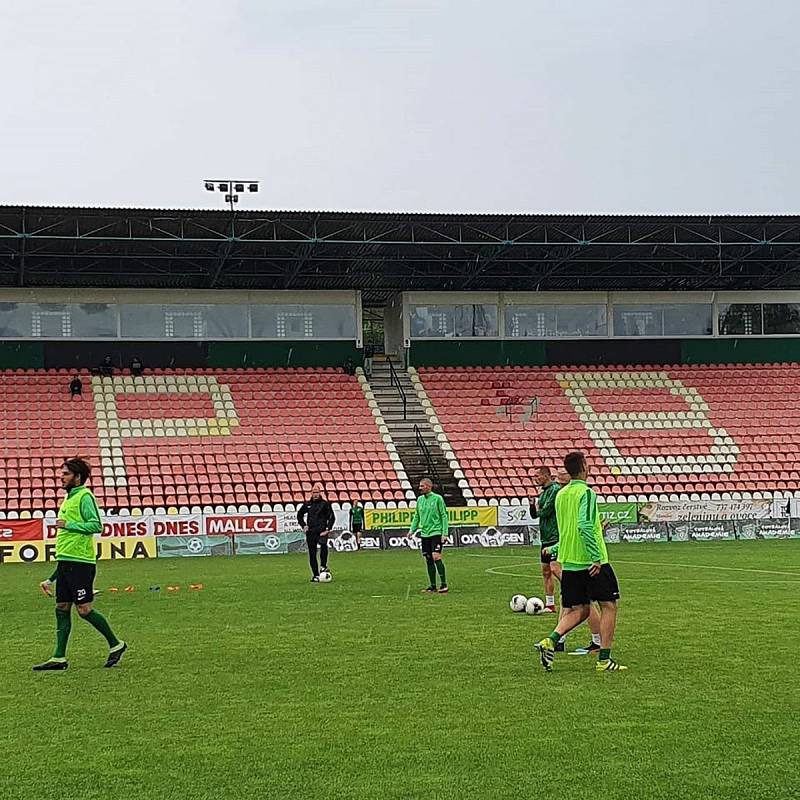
pixel 78 522
pixel 586 574
pixel 430 521
pixel 317 519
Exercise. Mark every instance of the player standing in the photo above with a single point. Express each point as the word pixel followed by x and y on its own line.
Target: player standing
pixel 430 520
pixel 316 518
pixel 548 531
pixel 586 574
pixel 357 520
pixel 78 522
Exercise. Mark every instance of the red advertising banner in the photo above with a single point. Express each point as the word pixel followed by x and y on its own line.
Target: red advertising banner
pixel 229 524
pixel 130 527
pixel 21 530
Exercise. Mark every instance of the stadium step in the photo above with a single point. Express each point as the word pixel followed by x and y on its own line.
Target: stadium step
pixel 402 430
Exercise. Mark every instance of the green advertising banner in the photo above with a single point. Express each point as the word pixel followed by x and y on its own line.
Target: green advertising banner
pixel 257 544
pixel 188 546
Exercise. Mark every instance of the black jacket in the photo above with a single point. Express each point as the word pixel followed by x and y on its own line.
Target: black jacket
pixel 318 515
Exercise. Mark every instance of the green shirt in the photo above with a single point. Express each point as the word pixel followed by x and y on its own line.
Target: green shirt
pixel 357 515
pixel 430 516
pixel 548 526
pixel 75 541
pixel 581 542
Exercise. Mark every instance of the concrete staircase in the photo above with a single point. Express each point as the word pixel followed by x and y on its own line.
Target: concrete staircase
pixel 402 431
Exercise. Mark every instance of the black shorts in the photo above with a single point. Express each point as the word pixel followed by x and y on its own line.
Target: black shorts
pixel 546 559
pixel 580 589
pixel 431 545
pixel 356 527
pixel 74 582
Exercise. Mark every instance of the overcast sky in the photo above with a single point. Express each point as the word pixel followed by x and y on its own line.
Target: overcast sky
pixel 409 105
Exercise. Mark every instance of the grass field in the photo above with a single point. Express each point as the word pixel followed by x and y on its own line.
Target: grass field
pixel 266 686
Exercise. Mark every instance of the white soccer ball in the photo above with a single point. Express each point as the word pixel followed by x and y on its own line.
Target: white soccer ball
pixel 518 602
pixel 534 606
pixel 326 577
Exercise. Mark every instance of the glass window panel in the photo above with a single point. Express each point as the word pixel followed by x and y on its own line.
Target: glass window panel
pixel 683 319
pixel 475 320
pixel 51 321
pixel 94 320
pixel 688 319
pixel 15 320
pixel 57 320
pixel 432 321
pixel 638 321
pixel 781 318
pixel 740 319
pixel 581 321
pixel 530 322
pixel 184 321
pixel 304 321
pixel 333 321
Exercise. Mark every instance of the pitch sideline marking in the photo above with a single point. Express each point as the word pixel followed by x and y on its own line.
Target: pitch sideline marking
pixel 709 566
pixel 497 570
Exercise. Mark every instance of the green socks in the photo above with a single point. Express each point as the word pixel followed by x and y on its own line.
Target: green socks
pixel 63 628
pixel 604 654
pixel 431 572
pixel 100 623
pixel 554 637
pixel 440 570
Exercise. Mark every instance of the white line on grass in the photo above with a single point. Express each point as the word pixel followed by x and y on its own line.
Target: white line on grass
pixel 502 569
pixel 482 555
pixel 708 566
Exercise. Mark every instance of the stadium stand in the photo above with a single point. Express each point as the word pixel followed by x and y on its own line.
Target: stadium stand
pixel 652 432
pixel 254 439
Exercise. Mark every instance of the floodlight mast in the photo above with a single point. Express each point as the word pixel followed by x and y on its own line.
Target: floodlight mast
pixel 230 188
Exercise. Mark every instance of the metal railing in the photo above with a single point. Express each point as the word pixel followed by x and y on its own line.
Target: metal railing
pixel 394 379
pixel 429 463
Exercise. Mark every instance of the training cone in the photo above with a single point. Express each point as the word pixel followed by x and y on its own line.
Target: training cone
pixel 129 589
pixel 155 588
pixel 113 589
pixel 197 586
pixel 173 588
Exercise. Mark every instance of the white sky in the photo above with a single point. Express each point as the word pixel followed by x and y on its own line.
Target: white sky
pixel 451 105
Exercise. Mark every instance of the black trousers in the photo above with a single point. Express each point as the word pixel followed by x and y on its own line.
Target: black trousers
pixel 314 540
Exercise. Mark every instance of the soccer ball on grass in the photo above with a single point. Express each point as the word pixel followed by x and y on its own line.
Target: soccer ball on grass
pixel 518 602
pixel 534 606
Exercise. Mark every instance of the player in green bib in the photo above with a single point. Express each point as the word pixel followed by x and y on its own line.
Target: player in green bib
pixel 430 521
pixel 586 575
pixel 357 520
pixel 76 555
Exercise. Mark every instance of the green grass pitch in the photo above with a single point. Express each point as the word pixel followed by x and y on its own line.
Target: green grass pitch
pixel 266 686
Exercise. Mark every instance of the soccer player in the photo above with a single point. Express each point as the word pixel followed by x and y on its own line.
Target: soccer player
pixel 316 518
pixel 586 575
pixel 594 615
pixel 78 522
pixel 430 520
pixel 357 520
pixel 548 531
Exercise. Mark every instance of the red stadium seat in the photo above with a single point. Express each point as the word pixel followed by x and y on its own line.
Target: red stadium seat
pixel 480 407
pixel 283 421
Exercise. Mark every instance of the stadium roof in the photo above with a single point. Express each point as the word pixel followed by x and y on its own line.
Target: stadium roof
pixel 383 253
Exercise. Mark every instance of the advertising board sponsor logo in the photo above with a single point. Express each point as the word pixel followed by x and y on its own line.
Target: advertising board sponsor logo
pixel 232 524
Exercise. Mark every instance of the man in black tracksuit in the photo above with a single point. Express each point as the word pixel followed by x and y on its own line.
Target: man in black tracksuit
pixel 317 519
